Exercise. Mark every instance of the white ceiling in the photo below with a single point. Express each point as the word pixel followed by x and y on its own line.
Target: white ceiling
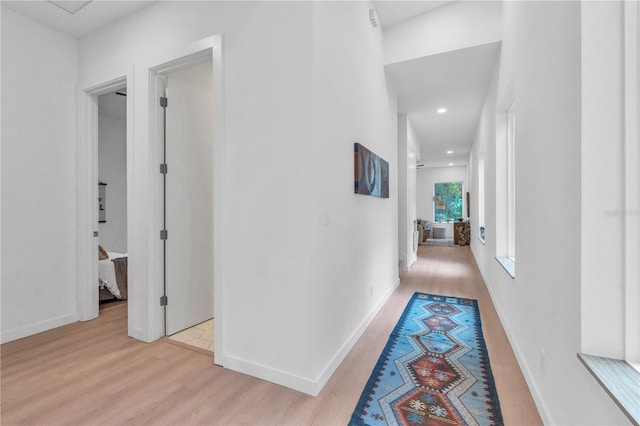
pixel 100 13
pixel 393 11
pixel 456 81
pixel 97 14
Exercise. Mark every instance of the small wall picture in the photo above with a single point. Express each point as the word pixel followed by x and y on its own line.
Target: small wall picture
pixel 102 202
pixel 371 173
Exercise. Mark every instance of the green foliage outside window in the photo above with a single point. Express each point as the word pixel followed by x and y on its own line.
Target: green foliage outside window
pixel 451 194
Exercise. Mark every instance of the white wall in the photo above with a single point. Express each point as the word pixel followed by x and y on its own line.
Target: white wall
pixel 268 85
pixel 112 170
pixel 39 70
pixel 0 187
pixel 457 25
pixel 413 154
pixel 427 177
pixel 355 261
pixel 408 155
pixel 294 98
pixel 404 227
pixel 602 193
pixel 541 308
pixel 484 146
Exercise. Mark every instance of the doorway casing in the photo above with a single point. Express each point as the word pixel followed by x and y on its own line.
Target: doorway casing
pixel 87 193
pixel 144 181
pixel 183 140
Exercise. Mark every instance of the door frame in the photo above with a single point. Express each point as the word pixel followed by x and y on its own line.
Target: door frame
pixel 209 48
pixel 87 192
pixel 145 316
pixel 162 75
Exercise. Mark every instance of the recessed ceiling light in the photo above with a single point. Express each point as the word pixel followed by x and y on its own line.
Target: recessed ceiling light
pixel 451 164
pixel 70 6
pixel 449 152
pixel 442 110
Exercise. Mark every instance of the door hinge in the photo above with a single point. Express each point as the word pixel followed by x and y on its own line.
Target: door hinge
pixel 164 234
pixel 164 301
pixel 164 168
pixel 164 102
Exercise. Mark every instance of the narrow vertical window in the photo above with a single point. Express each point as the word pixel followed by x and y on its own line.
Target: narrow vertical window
pixel 481 198
pixel 511 183
pixel 505 231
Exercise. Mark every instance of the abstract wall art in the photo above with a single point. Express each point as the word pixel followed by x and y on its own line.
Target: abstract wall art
pixel 371 173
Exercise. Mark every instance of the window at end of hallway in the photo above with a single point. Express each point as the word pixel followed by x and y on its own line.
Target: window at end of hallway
pixel 447 201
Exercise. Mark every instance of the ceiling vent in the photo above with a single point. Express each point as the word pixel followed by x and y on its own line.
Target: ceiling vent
pixel 70 6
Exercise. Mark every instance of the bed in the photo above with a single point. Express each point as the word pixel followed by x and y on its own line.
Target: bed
pixel 112 276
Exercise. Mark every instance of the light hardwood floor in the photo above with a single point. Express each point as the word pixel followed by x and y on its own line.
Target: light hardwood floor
pixel 92 374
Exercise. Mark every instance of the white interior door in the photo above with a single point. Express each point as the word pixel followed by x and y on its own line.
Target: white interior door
pixel 189 201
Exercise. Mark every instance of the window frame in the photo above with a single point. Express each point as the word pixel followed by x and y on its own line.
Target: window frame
pixel 462 202
pixel 632 177
pixel 481 199
pixel 620 377
pixel 505 189
pixel 511 183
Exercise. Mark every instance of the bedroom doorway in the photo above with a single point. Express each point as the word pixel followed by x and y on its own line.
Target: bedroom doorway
pixel 145 314
pixel 112 197
pixel 187 173
pixel 89 191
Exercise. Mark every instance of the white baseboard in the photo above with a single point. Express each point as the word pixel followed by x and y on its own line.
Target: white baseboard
pixel 304 384
pixel 39 327
pixel 270 374
pixel 333 365
pixel 413 260
pixel 524 366
pixel 408 261
pixel 403 259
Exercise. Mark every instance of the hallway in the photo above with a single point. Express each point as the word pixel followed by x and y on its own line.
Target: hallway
pixel 90 373
pixel 452 271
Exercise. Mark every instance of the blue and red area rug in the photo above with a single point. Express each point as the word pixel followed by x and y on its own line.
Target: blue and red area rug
pixel 434 369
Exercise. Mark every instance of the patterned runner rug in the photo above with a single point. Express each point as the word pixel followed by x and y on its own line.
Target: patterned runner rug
pixel 434 369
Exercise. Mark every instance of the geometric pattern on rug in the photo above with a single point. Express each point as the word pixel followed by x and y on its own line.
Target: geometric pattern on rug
pixel 434 369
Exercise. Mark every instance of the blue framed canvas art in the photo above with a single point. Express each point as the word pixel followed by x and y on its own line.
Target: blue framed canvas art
pixel 371 173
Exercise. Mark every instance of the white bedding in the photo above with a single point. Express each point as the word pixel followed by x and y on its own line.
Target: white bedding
pixel 107 274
